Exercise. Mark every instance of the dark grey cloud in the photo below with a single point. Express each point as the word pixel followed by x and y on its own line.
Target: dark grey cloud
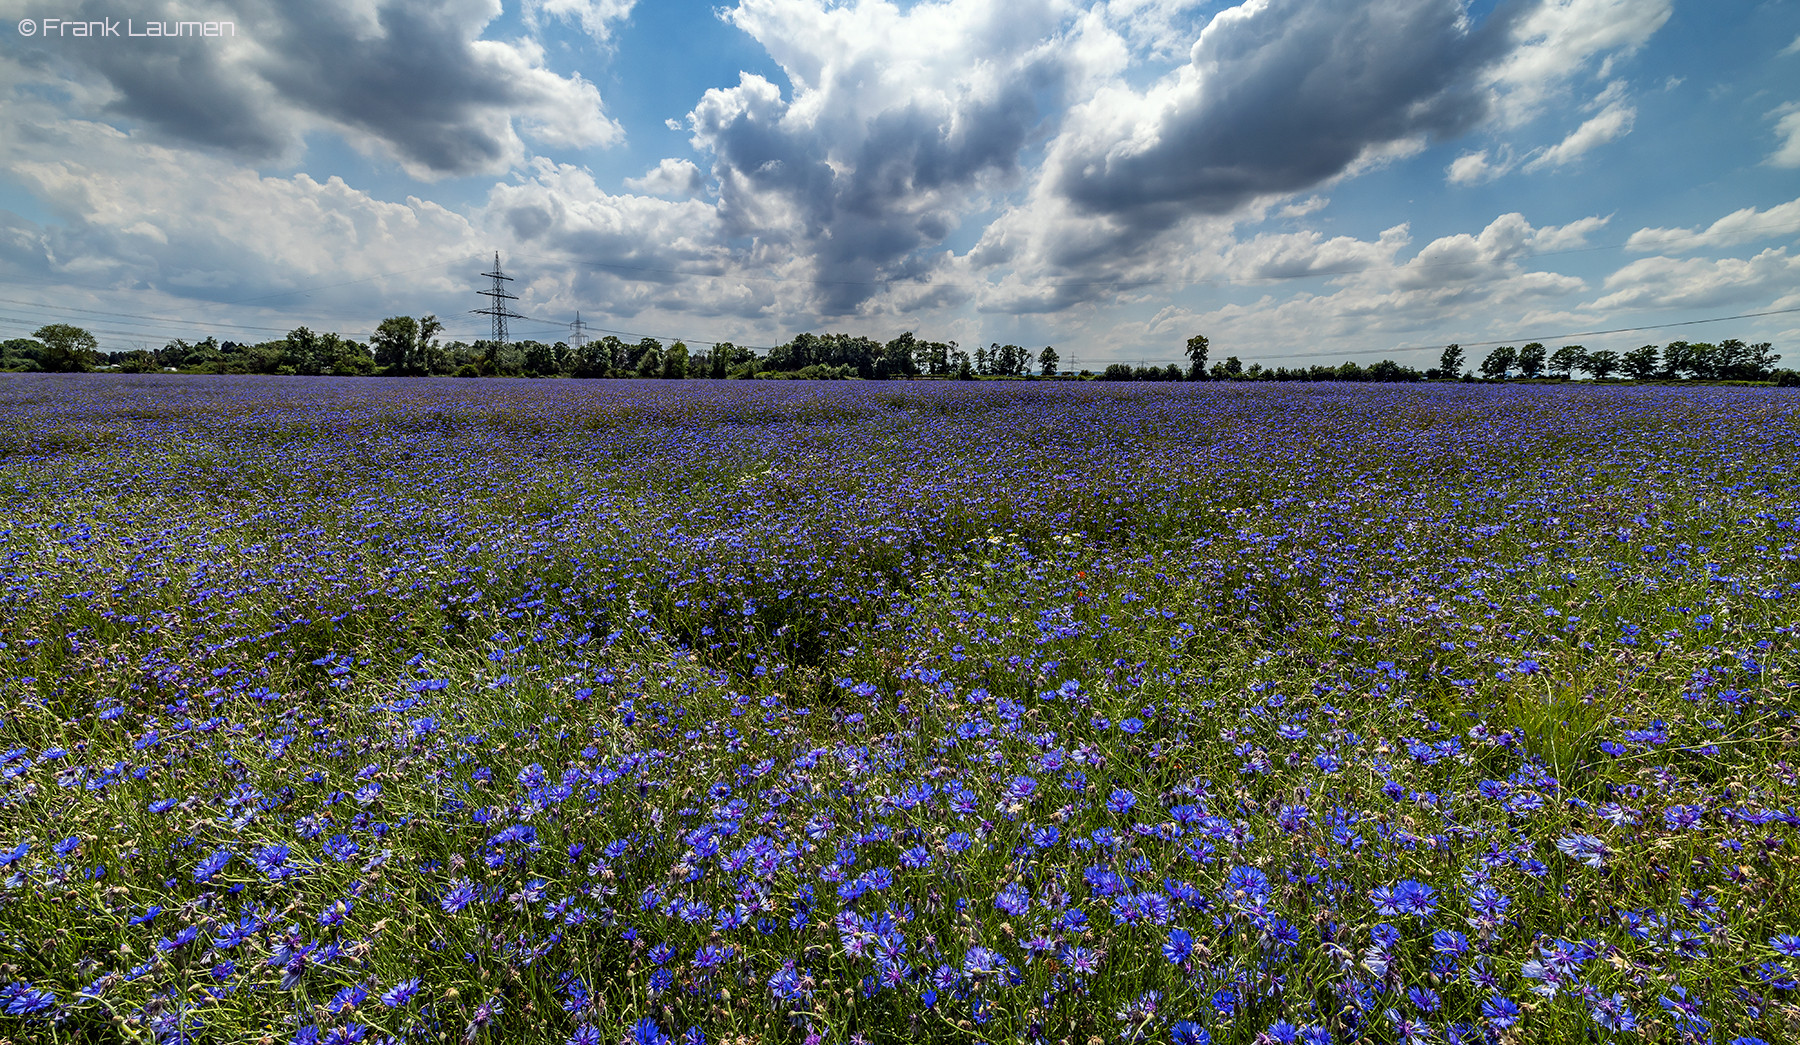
pixel 1280 97
pixel 863 195
pixel 413 77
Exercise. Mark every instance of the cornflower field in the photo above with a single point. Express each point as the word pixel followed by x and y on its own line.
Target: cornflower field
pixel 484 711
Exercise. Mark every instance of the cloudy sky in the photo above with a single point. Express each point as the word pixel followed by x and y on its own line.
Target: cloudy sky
pixel 1301 180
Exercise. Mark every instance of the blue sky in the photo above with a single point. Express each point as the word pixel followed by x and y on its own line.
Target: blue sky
pixel 1301 180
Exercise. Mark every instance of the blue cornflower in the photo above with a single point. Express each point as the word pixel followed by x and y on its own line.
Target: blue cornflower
pixel 462 893
pixel 1449 941
pixel 1121 801
pixel 400 993
pixel 1178 946
pixel 980 961
pixel 1586 848
pixel 1187 1032
pixel 271 860
pixel 212 865
pixel 1248 881
pixel 1500 1011
pixel 1682 817
pixel 1415 898
pixel 1613 1014
pixel 1489 902
pixel 149 915
pixel 348 997
pixel 24 999
pixel 1786 944
pixel 1013 900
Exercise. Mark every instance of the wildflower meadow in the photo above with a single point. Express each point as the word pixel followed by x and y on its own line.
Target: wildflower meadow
pixel 339 710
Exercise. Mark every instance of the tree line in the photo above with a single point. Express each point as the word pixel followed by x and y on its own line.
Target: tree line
pixel 404 346
pixel 1729 360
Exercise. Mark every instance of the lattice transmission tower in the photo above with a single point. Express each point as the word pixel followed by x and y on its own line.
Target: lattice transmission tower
pixel 500 297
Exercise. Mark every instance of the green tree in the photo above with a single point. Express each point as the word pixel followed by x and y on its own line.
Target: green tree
pixel 1531 359
pixel 1759 364
pixel 1567 359
pixel 136 362
pixel 1640 363
pixel 1196 353
pixel 1450 363
pixel 1679 360
pixel 1499 363
pixel 540 359
pixel 407 346
pixel 21 354
pixel 593 359
pixel 1601 364
pixel 675 361
pixel 647 355
pixel 1048 361
pixel 67 349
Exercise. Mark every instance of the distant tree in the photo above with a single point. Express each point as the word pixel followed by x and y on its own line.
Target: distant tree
pixel 1196 353
pixel 899 357
pixel 1600 364
pixel 647 357
pixel 1499 363
pixel 1388 370
pixel 1118 372
pixel 540 359
pixel 1759 363
pixel 984 360
pixel 675 361
pixel 1173 373
pixel 719 360
pixel 1678 360
pixel 21 354
pixel 1640 363
pixel 140 361
pixel 1450 363
pixel 1048 361
pixel 67 349
pixel 1704 361
pixel 593 359
pixel 1567 359
pixel 1012 361
pixel 1227 369
pixel 1531 359
pixel 407 346
pixel 941 354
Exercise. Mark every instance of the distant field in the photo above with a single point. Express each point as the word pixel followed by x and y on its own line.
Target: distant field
pixel 343 710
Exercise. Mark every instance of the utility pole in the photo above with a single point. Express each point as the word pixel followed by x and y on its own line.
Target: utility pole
pixel 500 297
pixel 576 336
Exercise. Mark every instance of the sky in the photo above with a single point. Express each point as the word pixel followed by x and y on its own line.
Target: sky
pixel 1302 181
